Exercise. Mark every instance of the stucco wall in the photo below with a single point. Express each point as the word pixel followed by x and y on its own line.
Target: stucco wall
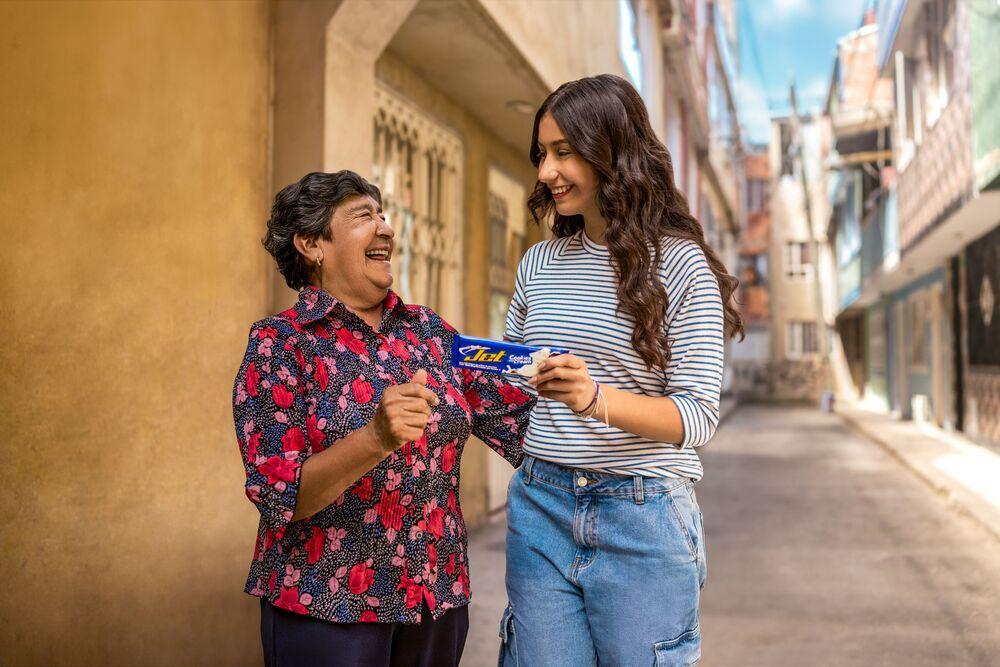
pixel 135 172
pixel 550 34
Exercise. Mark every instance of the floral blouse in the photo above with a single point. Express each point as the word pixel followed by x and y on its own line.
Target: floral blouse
pixel 312 375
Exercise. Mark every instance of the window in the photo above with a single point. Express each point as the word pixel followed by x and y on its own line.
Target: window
pixel 628 45
pixel 798 260
pixel 508 226
pixel 939 51
pixel 801 339
pixel 919 309
pixel 418 167
pixel 753 270
pixel 756 195
pixel 498 231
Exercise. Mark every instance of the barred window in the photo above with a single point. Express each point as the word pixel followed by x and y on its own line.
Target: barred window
pixel 418 166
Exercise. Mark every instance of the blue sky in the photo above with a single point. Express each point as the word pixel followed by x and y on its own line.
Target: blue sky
pixel 795 39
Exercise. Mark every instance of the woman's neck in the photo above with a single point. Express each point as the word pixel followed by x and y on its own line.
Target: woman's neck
pixel 594 226
pixel 364 308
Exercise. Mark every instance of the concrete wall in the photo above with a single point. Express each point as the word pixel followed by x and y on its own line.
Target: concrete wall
pixel 795 298
pixel 551 36
pixel 135 172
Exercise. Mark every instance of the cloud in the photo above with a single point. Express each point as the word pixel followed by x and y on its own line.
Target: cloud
pixel 815 88
pixel 783 10
pixel 835 11
pixel 845 10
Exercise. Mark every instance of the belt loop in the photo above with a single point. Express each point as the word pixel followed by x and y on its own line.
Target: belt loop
pixel 639 497
pixel 529 461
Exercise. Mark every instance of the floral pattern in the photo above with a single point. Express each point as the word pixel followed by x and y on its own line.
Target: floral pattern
pixel 395 539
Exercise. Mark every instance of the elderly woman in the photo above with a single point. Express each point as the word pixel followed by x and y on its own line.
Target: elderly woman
pixel 351 424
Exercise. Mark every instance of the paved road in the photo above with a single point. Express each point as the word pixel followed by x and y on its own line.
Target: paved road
pixel 822 550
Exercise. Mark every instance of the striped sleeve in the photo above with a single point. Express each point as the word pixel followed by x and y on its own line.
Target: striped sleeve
pixel 694 374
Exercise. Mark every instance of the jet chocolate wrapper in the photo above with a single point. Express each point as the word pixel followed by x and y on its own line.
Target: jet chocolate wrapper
pixel 493 356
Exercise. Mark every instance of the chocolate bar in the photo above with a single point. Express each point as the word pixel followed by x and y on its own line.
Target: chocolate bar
pixel 493 356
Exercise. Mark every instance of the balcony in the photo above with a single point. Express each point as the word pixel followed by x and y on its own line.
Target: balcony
pixel 938 180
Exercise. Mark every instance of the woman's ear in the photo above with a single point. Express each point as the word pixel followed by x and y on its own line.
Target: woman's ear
pixel 307 247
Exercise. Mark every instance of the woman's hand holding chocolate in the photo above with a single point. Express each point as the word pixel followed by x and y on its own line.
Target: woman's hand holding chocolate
pixel 565 378
pixel 403 413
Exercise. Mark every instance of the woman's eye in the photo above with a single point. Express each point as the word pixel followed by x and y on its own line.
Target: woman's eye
pixel 563 153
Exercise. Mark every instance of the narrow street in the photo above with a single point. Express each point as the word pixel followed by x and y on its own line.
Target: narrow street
pixel 822 550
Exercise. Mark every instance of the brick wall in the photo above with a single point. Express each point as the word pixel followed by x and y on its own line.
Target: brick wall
pixel 787 380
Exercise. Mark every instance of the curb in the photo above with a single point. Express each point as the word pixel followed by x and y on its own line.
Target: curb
pixel 952 492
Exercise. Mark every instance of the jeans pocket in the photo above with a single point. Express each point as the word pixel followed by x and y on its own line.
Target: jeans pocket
pixel 681 651
pixel 508 643
pixel 702 553
pixel 684 511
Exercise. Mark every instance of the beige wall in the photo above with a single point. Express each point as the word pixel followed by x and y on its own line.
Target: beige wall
pixel 562 39
pixel 135 184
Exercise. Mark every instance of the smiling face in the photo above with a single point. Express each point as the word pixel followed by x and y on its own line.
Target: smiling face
pixel 572 180
pixel 357 260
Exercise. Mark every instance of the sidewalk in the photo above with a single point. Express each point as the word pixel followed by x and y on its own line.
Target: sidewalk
pixel 968 475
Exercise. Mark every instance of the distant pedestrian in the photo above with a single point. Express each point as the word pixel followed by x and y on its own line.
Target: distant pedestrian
pixel 351 423
pixel 605 546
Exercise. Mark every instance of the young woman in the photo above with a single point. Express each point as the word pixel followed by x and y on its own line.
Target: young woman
pixel 605 546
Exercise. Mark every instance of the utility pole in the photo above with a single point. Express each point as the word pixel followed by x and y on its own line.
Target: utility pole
pixel 821 324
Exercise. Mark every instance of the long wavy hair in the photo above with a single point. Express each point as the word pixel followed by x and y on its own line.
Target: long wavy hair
pixel 605 121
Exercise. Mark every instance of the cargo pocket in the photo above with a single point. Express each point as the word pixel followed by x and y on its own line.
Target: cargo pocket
pixel 681 651
pixel 508 643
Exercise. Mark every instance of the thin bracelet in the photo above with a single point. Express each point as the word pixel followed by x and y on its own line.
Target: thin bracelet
pixel 597 405
pixel 597 392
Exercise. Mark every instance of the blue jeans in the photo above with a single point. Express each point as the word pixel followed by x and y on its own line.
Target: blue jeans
pixel 602 568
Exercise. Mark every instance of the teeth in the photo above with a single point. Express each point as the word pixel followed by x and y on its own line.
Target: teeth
pixel 381 254
pixel 559 191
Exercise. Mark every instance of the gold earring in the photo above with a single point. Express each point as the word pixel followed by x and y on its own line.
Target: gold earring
pixel 319 261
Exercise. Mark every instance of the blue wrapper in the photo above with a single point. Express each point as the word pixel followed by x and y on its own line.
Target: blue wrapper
pixel 494 356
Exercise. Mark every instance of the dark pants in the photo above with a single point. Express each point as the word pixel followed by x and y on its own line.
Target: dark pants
pixel 294 640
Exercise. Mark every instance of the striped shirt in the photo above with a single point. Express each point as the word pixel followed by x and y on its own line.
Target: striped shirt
pixel 566 296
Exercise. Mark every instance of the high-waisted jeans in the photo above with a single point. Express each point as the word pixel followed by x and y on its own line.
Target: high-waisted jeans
pixel 600 567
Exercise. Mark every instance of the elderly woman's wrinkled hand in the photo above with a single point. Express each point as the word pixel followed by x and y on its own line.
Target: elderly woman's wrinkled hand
pixel 403 413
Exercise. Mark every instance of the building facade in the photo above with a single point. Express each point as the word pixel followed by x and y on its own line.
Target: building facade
pixel 150 138
pixel 799 264
pixel 700 125
pixel 751 358
pixel 914 194
pixel 863 228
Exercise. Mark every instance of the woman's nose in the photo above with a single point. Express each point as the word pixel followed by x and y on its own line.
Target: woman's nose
pixel 546 173
pixel 385 229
